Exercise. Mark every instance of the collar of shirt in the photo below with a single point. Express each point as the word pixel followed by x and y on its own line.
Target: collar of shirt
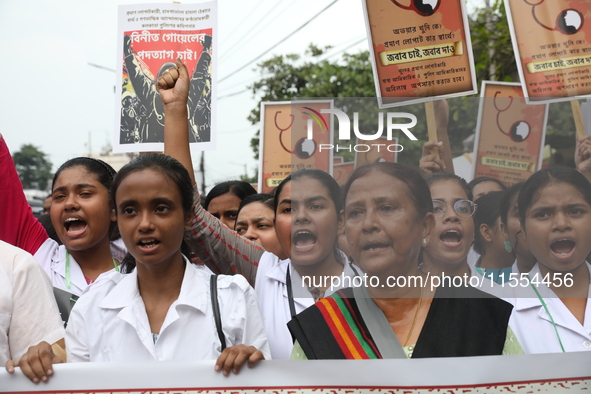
pixel 126 292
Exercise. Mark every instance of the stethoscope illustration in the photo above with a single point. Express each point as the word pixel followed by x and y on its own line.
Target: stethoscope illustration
pixel 569 21
pixel 304 147
pixel 421 7
pixel 520 130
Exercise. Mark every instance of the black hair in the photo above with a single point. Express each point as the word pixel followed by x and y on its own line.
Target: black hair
pixel 104 174
pixel 487 213
pixel 505 204
pixel 482 179
pixel 332 187
pixel 174 171
pixel 546 176
pixel 240 189
pixel 416 187
pixel 447 176
pixel 263 198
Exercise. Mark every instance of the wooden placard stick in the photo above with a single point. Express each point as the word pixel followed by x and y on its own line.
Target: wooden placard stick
pixel 437 130
pixel 579 125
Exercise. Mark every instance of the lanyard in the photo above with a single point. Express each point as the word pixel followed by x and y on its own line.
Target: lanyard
pixel 548 312
pixel 68 283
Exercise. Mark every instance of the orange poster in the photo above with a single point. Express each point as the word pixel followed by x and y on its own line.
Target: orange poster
pixel 420 49
pixel 510 134
pixel 381 149
pixel 552 42
pixel 284 143
pixel 342 171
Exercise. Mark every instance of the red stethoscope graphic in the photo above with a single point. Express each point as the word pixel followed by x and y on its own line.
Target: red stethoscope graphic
pixel 569 21
pixel 421 7
pixel 304 148
pixel 520 130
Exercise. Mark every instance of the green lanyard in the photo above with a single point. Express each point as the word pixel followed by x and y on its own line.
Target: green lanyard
pixel 548 312
pixel 68 283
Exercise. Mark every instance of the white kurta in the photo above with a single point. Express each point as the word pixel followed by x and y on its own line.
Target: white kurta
pixel 109 322
pixel 533 326
pixel 28 312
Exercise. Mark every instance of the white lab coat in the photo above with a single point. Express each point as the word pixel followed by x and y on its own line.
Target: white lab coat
pixel 271 289
pixel 533 327
pixel 109 322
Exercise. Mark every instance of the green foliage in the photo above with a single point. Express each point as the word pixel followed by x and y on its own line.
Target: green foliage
pixel 33 167
pixel 490 35
pixel 315 76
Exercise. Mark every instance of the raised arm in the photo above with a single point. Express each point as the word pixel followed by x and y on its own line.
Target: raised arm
pixel 18 226
pixel 220 248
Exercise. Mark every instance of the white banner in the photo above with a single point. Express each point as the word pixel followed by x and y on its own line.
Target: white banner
pixel 547 373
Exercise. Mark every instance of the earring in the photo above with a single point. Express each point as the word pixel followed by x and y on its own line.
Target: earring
pixel 424 241
pixel 508 246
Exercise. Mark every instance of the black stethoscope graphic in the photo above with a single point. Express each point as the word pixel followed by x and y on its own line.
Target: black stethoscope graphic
pixel 301 150
pixel 569 21
pixel 520 130
pixel 421 7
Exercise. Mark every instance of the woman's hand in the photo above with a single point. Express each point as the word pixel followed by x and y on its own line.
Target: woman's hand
pixel 233 357
pixel 37 362
pixel 430 164
pixel 173 85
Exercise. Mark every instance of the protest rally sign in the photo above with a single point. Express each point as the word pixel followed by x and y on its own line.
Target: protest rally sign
pixel 285 145
pixel 381 149
pixel 150 39
pixel 419 49
pixel 509 134
pixel 553 373
pixel 342 171
pixel 552 46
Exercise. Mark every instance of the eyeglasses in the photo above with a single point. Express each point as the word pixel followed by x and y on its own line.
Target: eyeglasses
pixel 462 208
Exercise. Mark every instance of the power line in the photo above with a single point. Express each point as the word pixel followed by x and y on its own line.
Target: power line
pixel 321 60
pixel 258 23
pixel 280 42
pixel 245 18
pixel 233 94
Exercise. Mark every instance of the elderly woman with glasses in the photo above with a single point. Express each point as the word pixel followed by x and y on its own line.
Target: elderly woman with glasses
pixel 453 235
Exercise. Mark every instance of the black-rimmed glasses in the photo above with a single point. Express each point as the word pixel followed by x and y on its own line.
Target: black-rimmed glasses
pixel 462 208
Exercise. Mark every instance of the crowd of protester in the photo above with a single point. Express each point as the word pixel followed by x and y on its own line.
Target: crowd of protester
pixel 132 266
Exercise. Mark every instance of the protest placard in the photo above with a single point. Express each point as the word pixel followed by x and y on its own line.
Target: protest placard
pixel 552 46
pixel 342 171
pixel 419 49
pixel 509 133
pixel 284 145
pixel 378 150
pixel 150 39
pixel 550 373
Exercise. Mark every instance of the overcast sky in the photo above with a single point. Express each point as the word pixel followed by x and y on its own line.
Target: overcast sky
pixel 53 98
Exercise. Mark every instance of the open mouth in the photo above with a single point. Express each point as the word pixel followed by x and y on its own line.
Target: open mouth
pixel 148 243
pixel 563 247
pixel 451 238
pixel 75 226
pixel 303 241
pixel 372 247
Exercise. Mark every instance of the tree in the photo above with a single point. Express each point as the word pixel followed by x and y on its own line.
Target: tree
pixel 33 167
